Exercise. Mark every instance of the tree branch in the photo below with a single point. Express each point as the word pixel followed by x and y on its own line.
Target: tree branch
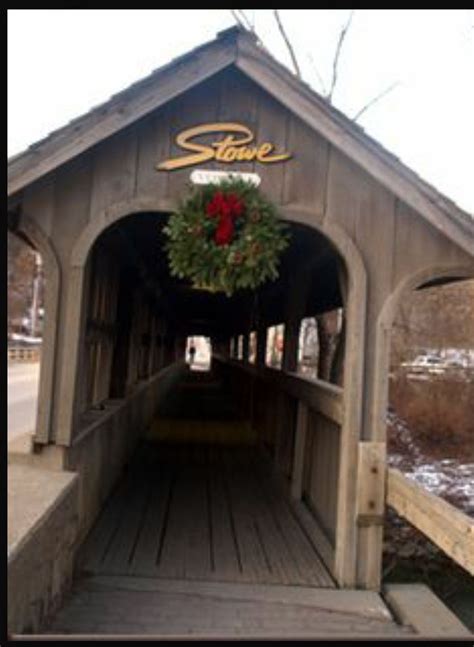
pixel 375 100
pixel 318 75
pixel 237 18
pixel 243 21
pixel 246 20
pixel 288 43
pixel 335 64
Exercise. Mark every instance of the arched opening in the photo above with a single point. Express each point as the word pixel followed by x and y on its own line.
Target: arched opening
pixel 25 325
pixel 430 429
pixel 209 435
pixel 126 266
pixel 198 352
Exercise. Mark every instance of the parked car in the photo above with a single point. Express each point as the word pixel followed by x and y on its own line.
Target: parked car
pixel 428 363
pixel 456 362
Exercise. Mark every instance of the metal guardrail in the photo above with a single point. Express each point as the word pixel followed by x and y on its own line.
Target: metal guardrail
pixel 24 353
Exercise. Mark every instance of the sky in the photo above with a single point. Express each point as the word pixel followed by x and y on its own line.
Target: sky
pixel 61 63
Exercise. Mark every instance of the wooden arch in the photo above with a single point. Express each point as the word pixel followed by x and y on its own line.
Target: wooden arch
pixel 33 233
pixel 385 321
pixel 346 548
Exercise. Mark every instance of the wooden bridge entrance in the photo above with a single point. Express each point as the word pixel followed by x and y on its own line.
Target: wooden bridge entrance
pixel 198 531
pixel 296 495
pixel 202 510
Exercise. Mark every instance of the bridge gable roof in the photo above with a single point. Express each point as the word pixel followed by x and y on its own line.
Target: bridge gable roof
pixel 235 47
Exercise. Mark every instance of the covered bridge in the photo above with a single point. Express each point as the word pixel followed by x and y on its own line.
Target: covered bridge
pixel 255 474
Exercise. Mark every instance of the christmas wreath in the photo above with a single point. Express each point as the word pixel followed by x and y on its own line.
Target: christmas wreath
pixel 225 237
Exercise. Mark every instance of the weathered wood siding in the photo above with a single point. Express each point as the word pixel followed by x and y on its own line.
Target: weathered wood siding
pixel 270 399
pixel 381 239
pixel 321 469
pixel 319 179
pixel 108 439
pixel 100 330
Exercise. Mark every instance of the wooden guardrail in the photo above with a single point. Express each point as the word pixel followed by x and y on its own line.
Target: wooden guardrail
pixel 24 353
pixel 442 523
pixel 310 473
pixel 318 395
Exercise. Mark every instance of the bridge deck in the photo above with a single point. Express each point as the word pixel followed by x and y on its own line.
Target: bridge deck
pixel 196 540
pixel 199 511
pixel 128 606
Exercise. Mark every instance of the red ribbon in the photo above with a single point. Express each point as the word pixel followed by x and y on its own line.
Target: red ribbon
pixel 227 209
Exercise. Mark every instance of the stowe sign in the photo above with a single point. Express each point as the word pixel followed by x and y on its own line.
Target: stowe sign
pixel 232 148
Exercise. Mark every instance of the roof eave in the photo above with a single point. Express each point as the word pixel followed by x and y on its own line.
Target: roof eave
pixel 235 46
pixel 349 138
pixel 118 112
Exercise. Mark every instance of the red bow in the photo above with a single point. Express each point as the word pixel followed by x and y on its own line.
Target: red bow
pixel 227 209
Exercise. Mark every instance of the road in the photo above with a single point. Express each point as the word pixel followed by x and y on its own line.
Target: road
pixel 22 398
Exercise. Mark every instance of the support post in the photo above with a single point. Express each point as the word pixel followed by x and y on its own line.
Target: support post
pixel 370 535
pixel 72 327
pixel 261 344
pixel 300 445
pixel 245 349
pixel 346 555
pixel 290 349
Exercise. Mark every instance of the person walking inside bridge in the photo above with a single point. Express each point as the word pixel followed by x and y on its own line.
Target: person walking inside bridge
pixel 192 353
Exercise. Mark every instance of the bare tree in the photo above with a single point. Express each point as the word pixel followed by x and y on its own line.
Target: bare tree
pixel 331 338
pixel 289 46
pixel 373 101
pixel 242 19
pixel 317 74
pixel 25 284
pixel 337 55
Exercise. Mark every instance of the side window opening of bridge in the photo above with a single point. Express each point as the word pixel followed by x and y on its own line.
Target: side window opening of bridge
pixel 274 346
pixel 252 347
pixel 240 348
pixel 321 346
pixel 25 323
pixel 430 431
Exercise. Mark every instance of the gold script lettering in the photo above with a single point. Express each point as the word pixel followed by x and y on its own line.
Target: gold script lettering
pixel 233 148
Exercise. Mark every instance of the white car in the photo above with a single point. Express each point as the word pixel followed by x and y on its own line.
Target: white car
pixel 429 363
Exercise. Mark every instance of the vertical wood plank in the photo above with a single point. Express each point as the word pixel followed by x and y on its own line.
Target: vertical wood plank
pixel 225 548
pixel 370 482
pixel 148 546
pixel 272 127
pixel 238 103
pixel 114 171
pixel 153 147
pixel 299 454
pixel 306 174
pixel 200 105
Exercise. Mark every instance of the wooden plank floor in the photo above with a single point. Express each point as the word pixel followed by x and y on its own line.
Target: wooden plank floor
pixel 197 541
pixel 201 512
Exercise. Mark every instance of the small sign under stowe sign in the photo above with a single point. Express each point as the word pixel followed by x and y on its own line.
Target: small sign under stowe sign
pixel 203 176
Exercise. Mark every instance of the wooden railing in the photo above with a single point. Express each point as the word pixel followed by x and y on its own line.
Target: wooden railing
pixel 448 528
pixel 298 421
pixel 316 394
